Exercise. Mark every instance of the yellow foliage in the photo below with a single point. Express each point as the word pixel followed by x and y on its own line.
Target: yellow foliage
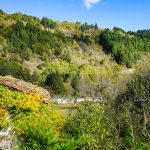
pixel 2 111
pixel 3 121
pixel 74 43
pixel 9 98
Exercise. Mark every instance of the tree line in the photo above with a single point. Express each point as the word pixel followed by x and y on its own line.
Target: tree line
pixel 125 47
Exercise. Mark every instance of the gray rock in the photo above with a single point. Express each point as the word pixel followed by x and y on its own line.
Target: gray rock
pixel 6 143
pixel 5 139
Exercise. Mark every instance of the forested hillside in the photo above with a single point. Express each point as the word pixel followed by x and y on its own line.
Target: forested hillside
pixel 107 68
pixel 65 56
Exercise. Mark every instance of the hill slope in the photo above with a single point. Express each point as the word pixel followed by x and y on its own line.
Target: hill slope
pixel 67 57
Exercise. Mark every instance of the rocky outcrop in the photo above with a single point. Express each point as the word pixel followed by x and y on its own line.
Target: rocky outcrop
pixel 6 143
pixel 5 139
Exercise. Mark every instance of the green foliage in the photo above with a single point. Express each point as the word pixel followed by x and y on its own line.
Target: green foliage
pixel 66 57
pixel 31 36
pixel 86 26
pixel 144 34
pixel 58 52
pixel 133 111
pixel 57 48
pixel 48 23
pixel 39 130
pixel 2 12
pixel 91 125
pixel 88 39
pixel 91 122
pixel 55 81
pixel 124 47
pixel 37 126
pixel 3 121
pixel 78 80
pixel 16 102
pixel 14 68
pixel 75 85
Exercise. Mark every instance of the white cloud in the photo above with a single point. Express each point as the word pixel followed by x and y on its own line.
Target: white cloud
pixel 90 3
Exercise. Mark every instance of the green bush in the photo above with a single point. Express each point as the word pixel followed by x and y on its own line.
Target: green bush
pixel 132 107
pixel 55 81
pixel 40 129
pixel 66 57
pixel 91 122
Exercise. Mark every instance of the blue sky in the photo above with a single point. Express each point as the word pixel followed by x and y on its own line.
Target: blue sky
pixel 127 14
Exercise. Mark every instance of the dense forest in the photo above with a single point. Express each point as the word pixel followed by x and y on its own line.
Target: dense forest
pixel 108 68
